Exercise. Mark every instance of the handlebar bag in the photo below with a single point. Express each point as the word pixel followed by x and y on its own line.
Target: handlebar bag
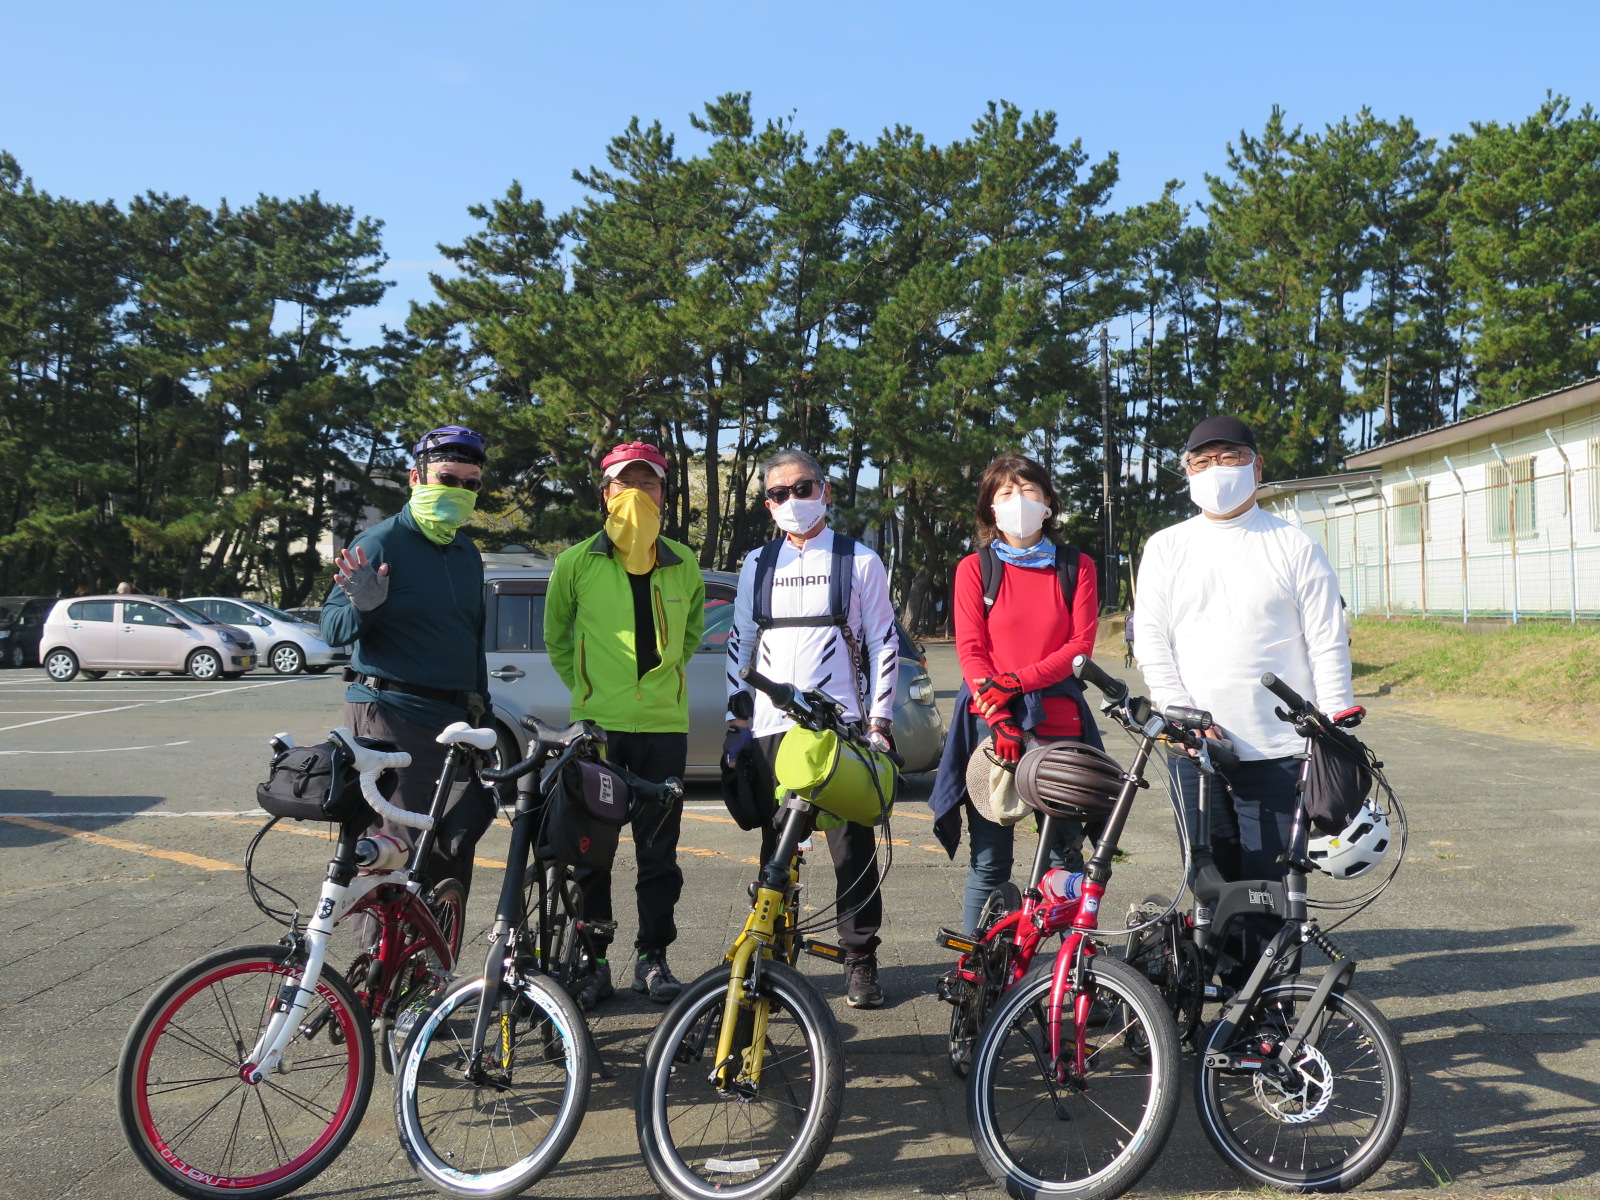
pixel 1337 782
pixel 839 777
pixel 587 810
pixel 315 783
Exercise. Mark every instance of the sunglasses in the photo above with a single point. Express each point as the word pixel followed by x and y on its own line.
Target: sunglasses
pixel 800 489
pixel 472 485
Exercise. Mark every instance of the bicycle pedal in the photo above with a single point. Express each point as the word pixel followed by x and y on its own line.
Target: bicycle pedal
pixel 959 942
pixel 824 950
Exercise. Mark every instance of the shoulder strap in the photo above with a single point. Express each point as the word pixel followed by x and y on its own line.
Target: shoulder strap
pixel 840 582
pixel 992 571
pixel 1067 571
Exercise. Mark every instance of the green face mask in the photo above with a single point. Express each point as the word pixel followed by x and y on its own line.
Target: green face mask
pixel 439 510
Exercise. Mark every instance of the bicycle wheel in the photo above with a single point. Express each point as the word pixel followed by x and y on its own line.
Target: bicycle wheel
pixel 975 997
pixel 193 1121
pixel 499 1134
pixel 1084 1137
pixel 424 975
pixel 1169 961
pixel 750 1142
pixel 1336 1119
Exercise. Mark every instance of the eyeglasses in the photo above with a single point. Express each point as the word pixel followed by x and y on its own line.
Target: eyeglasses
pixel 1223 458
pixel 800 489
pixel 472 485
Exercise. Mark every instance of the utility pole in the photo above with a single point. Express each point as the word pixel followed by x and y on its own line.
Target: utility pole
pixel 1113 587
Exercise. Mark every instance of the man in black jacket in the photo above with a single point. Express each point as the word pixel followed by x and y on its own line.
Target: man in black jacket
pixel 408 596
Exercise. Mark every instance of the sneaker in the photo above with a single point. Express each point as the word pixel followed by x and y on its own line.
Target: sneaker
pixel 861 982
pixel 652 976
pixel 594 985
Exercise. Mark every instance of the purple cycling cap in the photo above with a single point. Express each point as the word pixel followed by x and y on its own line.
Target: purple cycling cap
pixel 450 440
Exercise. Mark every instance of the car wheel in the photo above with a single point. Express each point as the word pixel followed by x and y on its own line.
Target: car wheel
pixel 15 658
pixel 322 670
pixel 61 665
pixel 506 754
pixel 204 665
pixel 93 674
pixel 287 658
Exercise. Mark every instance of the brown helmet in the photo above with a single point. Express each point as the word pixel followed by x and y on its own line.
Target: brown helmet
pixel 1069 779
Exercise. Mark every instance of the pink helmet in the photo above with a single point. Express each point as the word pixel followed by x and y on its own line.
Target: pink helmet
pixel 631 452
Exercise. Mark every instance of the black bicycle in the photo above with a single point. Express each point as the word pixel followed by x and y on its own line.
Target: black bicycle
pixel 1302 1084
pixel 494 1078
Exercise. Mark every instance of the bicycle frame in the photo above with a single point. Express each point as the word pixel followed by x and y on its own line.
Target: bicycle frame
pixel 395 897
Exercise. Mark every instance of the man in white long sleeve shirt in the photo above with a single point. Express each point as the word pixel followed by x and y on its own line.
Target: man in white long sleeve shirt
pixel 1223 598
pixel 785 625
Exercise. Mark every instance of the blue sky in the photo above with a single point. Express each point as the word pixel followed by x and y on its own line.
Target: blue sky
pixel 410 112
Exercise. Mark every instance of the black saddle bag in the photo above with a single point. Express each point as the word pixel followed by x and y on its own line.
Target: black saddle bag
pixel 587 809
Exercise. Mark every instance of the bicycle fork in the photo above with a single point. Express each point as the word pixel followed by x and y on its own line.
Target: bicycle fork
pixel 295 996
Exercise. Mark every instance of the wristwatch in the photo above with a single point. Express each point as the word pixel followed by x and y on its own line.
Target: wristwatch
pixel 880 724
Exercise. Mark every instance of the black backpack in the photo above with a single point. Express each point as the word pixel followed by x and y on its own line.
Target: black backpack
pixel 841 582
pixel 992 571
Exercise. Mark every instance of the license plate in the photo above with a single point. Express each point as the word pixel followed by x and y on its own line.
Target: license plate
pixel 247 661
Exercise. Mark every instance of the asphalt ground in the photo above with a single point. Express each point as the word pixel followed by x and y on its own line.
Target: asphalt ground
pixel 125 810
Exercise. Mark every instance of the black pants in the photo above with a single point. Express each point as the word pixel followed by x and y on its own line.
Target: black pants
pixel 1250 823
pixel 415 793
pixel 656 757
pixel 855 865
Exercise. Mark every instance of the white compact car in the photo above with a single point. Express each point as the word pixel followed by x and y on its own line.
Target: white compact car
pixel 288 643
pixel 96 634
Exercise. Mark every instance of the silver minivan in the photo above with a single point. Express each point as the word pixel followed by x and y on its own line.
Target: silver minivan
pixel 96 634
pixel 521 679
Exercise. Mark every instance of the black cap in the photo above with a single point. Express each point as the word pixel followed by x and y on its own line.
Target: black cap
pixel 1221 429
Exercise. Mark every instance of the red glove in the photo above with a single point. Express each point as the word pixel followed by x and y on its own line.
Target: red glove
pixel 999 691
pixel 1007 739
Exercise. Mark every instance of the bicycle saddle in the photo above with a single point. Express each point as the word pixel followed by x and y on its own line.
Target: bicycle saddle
pixel 479 739
pixel 549 735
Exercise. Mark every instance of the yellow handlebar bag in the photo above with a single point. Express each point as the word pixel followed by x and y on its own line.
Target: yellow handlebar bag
pixel 837 776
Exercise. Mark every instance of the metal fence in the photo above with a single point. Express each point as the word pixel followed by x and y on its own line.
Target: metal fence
pixel 1509 530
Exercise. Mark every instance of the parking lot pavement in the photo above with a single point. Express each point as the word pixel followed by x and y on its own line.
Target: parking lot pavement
pixel 124 815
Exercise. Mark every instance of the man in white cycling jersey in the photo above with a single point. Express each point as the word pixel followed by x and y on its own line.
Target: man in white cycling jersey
pixel 813 610
pixel 1224 597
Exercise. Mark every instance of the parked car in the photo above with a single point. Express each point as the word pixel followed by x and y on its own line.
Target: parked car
pixel 21 625
pixel 96 634
pixel 291 644
pixel 311 614
pixel 521 679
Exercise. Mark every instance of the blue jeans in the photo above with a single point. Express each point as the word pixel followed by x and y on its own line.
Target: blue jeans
pixel 992 846
pixel 1249 823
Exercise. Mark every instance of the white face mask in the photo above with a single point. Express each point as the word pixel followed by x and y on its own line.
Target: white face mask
pixel 1223 489
pixel 799 516
pixel 1020 516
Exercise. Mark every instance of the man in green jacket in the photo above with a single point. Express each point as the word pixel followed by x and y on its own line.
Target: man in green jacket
pixel 623 613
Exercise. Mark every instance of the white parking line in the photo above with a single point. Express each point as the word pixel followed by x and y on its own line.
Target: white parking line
pixel 147 703
pixel 101 750
pixel 55 816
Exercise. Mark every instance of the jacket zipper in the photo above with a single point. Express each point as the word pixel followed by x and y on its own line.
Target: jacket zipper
pixel 583 674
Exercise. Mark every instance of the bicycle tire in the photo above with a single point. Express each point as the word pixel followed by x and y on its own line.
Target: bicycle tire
pixel 977 997
pixel 1097 1138
pixel 444 1119
pixel 446 902
pixel 169 1088
pixel 1351 1109
pixel 686 1034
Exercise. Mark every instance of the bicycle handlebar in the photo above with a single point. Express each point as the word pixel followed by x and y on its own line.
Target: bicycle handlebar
pixel 1283 692
pixel 815 710
pixel 369 764
pixel 1085 669
pixel 783 695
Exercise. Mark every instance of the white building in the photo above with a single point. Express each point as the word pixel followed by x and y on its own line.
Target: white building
pixel 1493 516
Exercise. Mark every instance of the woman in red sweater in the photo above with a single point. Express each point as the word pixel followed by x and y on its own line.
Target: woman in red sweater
pixel 1022 646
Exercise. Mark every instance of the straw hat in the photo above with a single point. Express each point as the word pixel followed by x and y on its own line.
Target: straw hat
pixel 992 788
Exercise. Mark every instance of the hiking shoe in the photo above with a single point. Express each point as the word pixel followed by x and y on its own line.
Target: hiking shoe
pixel 654 978
pixel 594 985
pixel 861 982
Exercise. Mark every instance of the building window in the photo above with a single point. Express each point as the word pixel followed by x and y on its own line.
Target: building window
pixel 1411 514
pixel 1511 489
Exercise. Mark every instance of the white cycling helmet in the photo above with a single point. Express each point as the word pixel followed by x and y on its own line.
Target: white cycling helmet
pixel 1356 849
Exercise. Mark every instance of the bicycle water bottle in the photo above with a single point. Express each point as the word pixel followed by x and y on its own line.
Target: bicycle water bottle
pixel 1060 885
pixel 381 853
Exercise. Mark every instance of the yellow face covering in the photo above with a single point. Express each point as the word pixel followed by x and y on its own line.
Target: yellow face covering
pixel 633 525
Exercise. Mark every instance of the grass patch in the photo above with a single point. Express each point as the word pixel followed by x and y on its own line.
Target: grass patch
pixel 1544 664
